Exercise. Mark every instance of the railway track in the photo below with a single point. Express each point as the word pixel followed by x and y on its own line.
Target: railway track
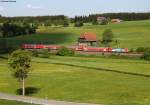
pixel 109 53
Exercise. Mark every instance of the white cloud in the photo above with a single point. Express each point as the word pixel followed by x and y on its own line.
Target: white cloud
pixel 29 6
pixel 1 8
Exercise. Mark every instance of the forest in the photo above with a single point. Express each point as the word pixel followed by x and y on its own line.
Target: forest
pixel 122 16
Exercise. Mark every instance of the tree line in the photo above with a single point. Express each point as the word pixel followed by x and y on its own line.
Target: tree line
pixel 122 16
pixel 37 20
pixel 61 19
pixel 11 30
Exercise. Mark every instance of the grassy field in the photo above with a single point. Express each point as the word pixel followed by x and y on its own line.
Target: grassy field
pixel 53 78
pixel 109 81
pixel 5 102
pixel 129 34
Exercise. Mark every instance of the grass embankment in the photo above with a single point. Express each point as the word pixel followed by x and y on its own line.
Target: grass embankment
pixel 129 34
pixel 6 102
pixel 80 84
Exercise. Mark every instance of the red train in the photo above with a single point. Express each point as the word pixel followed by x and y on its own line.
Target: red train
pixel 76 48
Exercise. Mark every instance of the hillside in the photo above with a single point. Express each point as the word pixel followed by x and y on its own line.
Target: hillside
pixel 89 80
pixel 131 34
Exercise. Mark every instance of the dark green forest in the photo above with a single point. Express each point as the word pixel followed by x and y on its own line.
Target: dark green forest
pixel 122 16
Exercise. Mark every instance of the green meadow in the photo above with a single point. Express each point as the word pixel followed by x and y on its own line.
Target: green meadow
pixel 87 79
pixel 84 79
pixel 131 34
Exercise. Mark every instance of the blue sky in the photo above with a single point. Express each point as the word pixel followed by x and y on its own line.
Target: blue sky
pixel 71 7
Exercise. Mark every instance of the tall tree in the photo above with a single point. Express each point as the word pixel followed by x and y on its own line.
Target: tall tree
pixel 107 36
pixel 20 62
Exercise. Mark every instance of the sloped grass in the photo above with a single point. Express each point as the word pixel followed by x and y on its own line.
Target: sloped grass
pixel 78 84
pixel 124 65
pixel 6 102
pixel 131 34
pixel 41 38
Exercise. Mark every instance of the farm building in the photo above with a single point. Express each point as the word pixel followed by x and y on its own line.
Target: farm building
pixel 89 39
pixel 100 19
pixel 116 20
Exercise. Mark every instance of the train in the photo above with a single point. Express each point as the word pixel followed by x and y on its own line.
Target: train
pixel 76 48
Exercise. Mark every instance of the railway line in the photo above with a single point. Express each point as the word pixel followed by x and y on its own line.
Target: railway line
pixel 86 50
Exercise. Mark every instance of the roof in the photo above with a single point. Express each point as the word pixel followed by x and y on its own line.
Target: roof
pixel 89 36
pixel 116 20
pixel 101 17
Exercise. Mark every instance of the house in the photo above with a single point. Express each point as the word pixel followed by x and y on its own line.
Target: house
pixel 116 20
pixel 100 19
pixel 89 39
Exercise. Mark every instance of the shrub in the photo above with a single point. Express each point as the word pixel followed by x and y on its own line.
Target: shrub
pixel 94 22
pixel 65 52
pixel 35 53
pixel 104 22
pixel 146 54
pixel 131 50
pixel 66 23
pixel 78 24
pixel 44 53
pixel 141 49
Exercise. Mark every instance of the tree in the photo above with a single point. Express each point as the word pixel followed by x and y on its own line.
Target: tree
pixel 20 62
pixel 104 22
pixel 94 22
pixel 79 24
pixel 107 36
pixel 146 54
pixel 141 49
pixel 11 29
pixel 66 23
pixel 3 45
pixel 65 52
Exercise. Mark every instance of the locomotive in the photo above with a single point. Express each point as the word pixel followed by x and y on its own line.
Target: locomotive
pixel 76 48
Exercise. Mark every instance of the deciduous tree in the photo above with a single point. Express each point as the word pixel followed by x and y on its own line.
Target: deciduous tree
pixel 20 62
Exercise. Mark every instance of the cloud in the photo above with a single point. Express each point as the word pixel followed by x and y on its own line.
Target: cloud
pixel 29 6
pixel 1 8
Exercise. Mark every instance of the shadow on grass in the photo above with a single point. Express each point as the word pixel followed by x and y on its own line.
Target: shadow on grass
pixel 42 38
pixel 28 91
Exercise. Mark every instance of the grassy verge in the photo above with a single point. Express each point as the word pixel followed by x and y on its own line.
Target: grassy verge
pixel 6 102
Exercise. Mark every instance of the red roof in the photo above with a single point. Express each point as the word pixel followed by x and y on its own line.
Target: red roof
pixel 115 20
pixel 89 36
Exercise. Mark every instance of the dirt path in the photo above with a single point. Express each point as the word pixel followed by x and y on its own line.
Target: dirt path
pixel 38 100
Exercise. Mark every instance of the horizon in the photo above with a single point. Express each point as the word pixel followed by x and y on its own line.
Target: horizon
pixel 71 8
pixel 73 16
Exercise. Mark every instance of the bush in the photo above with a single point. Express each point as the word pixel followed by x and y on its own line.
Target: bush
pixel 104 22
pixel 44 53
pixel 66 24
pixel 65 52
pixel 35 53
pixel 94 22
pixel 141 49
pixel 78 24
pixel 146 54
pixel 131 50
